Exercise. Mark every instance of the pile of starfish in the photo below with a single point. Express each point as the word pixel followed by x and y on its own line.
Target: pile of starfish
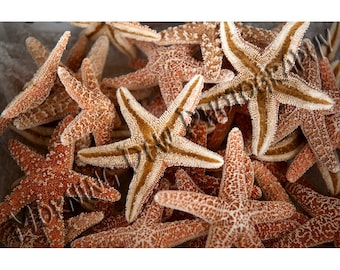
pixel 208 143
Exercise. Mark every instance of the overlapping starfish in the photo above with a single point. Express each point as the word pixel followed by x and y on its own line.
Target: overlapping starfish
pixel 152 173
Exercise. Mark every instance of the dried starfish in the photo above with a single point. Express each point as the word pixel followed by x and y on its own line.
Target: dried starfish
pixel 154 145
pixel 39 87
pixel 118 32
pixel 313 123
pixel 98 114
pixel 264 80
pixel 206 34
pixel 59 104
pixel 48 179
pixel 147 231
pixel 167 67
pixel 232 215
pixel 322 228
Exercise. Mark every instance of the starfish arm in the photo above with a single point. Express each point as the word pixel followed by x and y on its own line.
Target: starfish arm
pixel 277 229
pixel 221 235
pixel 89 77
pixel 55 107
pixel 184 182
pixel 19 197
pixel 39 87
pixel 74 226
pixel 316 231
pixel 269 211
pixel 249 238
pixel 263 109
pixel 103 133
pixel 183 152
pixel 51 214
pixel 287 123
pixel 37 50
pixel 314 203
pixel 137 31
pixel 77 53
pixel 297 93
pixel 4 123
pixel 98 55
pixel 318 138
pixel 88 187
pixel 170 88
pixel 25 157
pixel 201 205
pixel 171 234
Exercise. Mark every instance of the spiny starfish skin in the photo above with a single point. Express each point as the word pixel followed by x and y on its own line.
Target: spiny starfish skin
pixel 232 215
pixel 155 144
pixel 48 179
pixel 167 67
pixel 263 80
pixel 147 231
pixel 323 227
pixel 38 89
pixel 98 115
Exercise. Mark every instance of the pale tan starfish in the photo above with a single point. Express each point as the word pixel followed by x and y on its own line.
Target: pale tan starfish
pixel 168 67
pixel 263 80
pixel 232 215
pixel 147 231
pixel 154 145
pixel 48 180
pixel 118 32
pixel 98 114
pixel 39 87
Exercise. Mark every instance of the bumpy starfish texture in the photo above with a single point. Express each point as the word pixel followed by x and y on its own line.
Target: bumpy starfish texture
pixel 206 34
pixel 98 114
pixel 264 80
pixel 118 32
pixel 324 227
pixel 167 67
pixel 232 214
pixel 147 231
pixel 155 143
pixel 38 89
pixel 48 179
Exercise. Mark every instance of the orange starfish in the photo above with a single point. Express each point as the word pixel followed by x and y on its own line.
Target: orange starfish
pixel 48 179
pixel 167 67
pixel 98 115
pixel 147 231
pixel 323 227
pixel 38 89
pixel 232 215
pixel 154 145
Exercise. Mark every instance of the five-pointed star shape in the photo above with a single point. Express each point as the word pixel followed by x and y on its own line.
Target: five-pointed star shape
pixel 118 32
pixel 147 231
pixel 264 80
pixel 232 215
pixel 98 114
pixel 154 145
pixel 39 87
pixel 323 227
pixel 313 123
pixel 48 179
pixel 167 67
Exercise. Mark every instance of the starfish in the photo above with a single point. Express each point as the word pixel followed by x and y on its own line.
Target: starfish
pixel 118 32
pixel 147 231
pixel 154 145
pixel 313 123
pixel 48 179
pixel 206 34
pixel 306 158
pixel 167 67
pixel 59 104
pixel 232 215
pixel 98 115
pixel 39 87
pixel 323 227
pixel 264 80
